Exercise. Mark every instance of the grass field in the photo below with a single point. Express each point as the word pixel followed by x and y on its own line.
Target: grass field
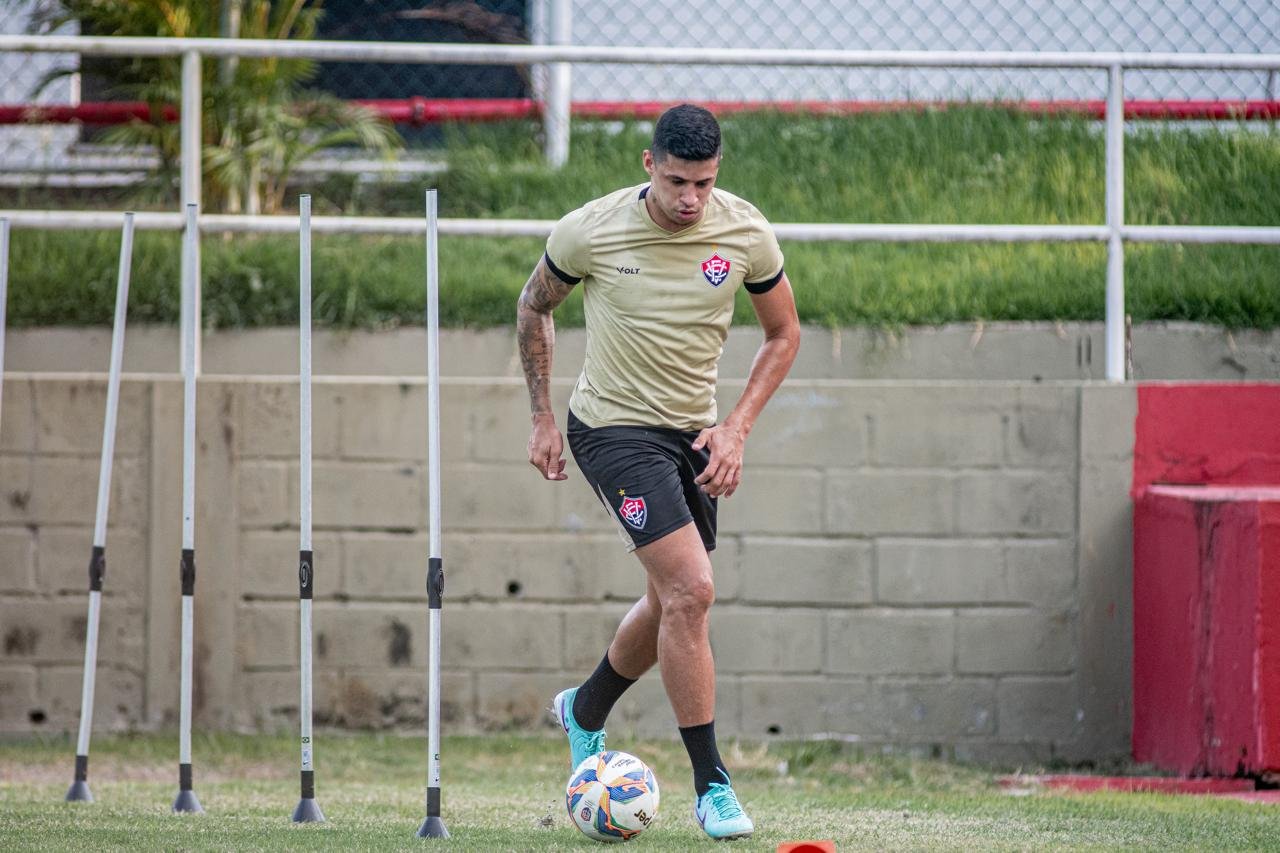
pixel 498 790
pixel 956 166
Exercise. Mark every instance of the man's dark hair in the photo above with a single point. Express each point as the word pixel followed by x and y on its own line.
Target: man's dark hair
pixel 687 132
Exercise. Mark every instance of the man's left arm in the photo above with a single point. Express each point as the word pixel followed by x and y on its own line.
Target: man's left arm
pixel 776 310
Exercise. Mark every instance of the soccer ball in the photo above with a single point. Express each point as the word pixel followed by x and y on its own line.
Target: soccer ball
pixel 612 796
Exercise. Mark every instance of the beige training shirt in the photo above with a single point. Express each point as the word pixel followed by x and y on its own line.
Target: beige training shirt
pixel 658 303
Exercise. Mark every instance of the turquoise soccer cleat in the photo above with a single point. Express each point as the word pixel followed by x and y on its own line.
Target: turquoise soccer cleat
pixel 720 814
pixel 582 743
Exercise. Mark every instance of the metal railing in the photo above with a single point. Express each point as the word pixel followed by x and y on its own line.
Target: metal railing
pixel 556 115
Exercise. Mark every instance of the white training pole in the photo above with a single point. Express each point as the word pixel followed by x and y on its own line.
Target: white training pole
pixel 1115 354
pixel 190 142
pixel 186 800
pixel 4 293
pixel 79 790
pixel 307 810
pixel 433 826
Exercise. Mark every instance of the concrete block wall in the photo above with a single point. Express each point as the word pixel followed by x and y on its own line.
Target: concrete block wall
pixel 939 565
pixel 972 352
pixel 50 446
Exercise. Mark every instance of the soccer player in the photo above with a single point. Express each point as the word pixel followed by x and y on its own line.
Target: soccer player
pixel 660 264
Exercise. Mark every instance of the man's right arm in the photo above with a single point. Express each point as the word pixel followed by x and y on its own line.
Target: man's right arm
pixel 536 333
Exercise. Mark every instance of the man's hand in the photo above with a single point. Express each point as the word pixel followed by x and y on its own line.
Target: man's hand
pixel 546 448
pixel 724 471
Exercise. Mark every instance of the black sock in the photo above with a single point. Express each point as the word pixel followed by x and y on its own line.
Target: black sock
pixel 700 741
pixel 594 699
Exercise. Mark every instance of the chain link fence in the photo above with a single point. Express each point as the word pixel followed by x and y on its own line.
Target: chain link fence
pixel 34 153
pixel 491 22
pixel 59 155
pixel 1177 26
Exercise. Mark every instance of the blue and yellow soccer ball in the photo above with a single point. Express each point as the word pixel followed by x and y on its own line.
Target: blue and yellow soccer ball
pixel 612 796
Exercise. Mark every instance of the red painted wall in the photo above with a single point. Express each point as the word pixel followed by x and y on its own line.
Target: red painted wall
pixel 1207 433
pixel 1232 561
pixel 1207 578
pixel 1168 627
pixel 1269 636
pixel 1206 652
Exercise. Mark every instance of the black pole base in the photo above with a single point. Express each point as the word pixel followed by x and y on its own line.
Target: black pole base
pixel 433 827
pixel 186 803
pixel 79 792
pixel 308 811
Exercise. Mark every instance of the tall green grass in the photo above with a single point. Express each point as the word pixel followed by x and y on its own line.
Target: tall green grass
pixel 954 166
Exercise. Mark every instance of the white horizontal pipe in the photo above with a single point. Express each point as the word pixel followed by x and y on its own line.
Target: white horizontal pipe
pixel 225 223
pixel 495 54
pixel 75 220
pixel 1200 234
pixel 799 231
pixel 131 164
pixel 837 232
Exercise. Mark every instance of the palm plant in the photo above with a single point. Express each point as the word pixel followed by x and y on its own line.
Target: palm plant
pixel 259 120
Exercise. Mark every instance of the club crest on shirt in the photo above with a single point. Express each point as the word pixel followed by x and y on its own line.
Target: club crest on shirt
pixel 633 512
pixel 715 269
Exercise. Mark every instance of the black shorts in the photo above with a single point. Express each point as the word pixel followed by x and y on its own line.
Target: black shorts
pixel 644 476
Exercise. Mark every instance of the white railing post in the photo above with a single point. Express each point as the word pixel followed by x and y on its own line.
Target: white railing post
pixel 556 108
pixel 229 28
pixel 191 154
pixel 1115 222
pixel 539 32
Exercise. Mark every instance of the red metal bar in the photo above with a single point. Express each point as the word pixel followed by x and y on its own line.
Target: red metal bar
pixel 99 113
pixel 1179 110
pixel 418 111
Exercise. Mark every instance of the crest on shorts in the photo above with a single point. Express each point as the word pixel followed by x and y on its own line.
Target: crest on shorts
pixel 633 512
pixel 715 269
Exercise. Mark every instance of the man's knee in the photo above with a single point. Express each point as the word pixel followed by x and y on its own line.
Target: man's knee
pixel 690 598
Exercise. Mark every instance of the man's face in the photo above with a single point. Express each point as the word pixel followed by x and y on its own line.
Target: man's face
pixel 679 190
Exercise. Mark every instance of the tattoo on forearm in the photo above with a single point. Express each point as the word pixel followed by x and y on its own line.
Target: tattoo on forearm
pixel 536 333
pixel 543 291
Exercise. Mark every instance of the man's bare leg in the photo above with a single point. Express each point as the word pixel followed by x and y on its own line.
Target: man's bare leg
pixel 679 570
pixel 669 625
pixel 634 649
pixel 632 652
